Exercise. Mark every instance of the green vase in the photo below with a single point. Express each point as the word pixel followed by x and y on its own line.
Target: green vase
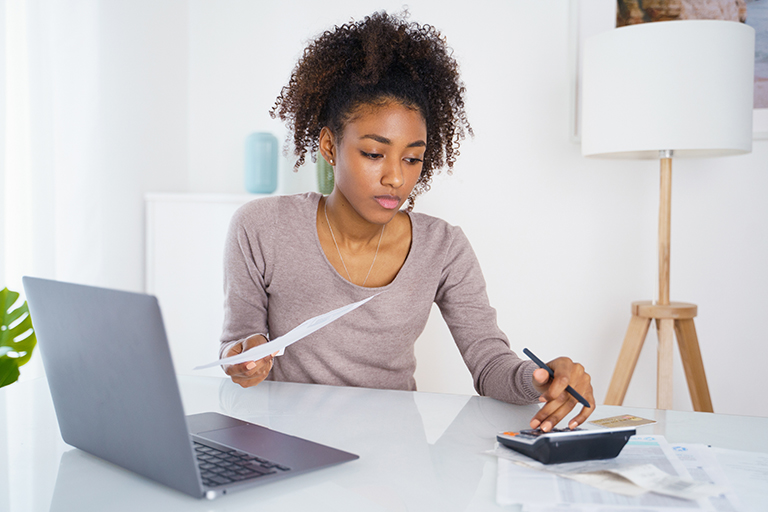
pixel 324 176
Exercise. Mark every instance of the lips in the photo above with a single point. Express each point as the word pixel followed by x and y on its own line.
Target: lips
pixel 388 202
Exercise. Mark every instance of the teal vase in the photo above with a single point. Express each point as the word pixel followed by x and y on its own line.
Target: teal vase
pixel 261 163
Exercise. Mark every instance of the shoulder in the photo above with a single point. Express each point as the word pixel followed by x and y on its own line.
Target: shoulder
pixel 266 211
pixel 434 231
pixel 444 248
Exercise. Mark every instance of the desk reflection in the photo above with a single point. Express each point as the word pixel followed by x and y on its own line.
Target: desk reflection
pixel 393 432
pixel 418 451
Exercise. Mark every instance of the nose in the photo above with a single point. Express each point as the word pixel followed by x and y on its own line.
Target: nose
pixel 392 175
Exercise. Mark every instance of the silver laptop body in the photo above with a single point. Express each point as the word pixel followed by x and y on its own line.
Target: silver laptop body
pixel 114 389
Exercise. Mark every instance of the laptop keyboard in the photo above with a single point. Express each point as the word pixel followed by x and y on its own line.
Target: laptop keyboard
pixel 219 467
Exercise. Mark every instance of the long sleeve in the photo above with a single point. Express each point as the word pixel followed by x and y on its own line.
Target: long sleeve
pixel 246 272
pixel 496 370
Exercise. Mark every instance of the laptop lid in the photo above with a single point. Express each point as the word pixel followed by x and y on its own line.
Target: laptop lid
pixel 115 393
pixel 112 380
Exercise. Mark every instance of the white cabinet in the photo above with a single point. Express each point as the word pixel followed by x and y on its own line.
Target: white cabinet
pixel 184 269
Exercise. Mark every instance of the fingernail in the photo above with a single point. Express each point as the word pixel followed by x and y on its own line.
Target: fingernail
pixel 546 426
pixel 535 423
pixel 250 365
pixel 573 425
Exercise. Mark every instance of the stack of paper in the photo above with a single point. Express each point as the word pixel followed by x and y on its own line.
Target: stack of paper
pixel 649 474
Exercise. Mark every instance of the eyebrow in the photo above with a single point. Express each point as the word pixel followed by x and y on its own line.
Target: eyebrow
pixel 384 140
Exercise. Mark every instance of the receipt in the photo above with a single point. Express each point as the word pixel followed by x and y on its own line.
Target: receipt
pixel 278 344
pixel 652 478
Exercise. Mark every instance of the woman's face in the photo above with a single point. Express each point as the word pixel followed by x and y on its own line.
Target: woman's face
pixel 379 159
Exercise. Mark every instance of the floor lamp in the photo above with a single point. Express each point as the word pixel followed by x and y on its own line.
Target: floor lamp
pixel 662 90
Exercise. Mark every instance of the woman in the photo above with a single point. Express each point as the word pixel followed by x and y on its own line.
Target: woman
pixel 381 100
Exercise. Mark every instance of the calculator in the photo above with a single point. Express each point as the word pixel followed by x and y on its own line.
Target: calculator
pixel 566 445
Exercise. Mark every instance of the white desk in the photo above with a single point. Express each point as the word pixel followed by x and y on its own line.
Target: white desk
pixel 418 451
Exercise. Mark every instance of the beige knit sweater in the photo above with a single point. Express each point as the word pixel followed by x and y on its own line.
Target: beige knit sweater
pixel 276 276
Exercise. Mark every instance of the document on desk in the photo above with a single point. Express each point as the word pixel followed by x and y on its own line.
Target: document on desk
pixel 703 466
pixel 646 461
pixel 292 336
pixel 748 473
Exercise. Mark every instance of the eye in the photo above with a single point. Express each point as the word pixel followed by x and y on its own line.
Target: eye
pixel 372 156
pixel 414 161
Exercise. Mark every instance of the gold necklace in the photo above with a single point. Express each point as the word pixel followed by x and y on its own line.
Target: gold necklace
pixel 325 210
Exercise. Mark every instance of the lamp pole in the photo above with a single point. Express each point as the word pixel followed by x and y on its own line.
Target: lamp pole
pixel 665 212
pixel 665 324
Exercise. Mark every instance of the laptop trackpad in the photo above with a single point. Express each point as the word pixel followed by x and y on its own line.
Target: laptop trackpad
pixel 294 452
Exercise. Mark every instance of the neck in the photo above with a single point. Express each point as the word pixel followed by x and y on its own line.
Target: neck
pixel 349 228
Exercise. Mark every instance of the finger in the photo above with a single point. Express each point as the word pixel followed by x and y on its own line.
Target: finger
pixel 541 377
pixel 254 379
pixel 256 376
pixel 238 369
pixel 559 413
pixel 549 407
pixel 556 387
pixel 552 412
pixel 580 418
pixel 249 368
pixel 584 413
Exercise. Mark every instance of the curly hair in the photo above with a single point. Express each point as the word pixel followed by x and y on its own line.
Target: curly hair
pixel 380 58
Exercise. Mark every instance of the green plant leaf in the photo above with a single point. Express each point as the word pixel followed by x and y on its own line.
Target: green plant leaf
pixel 17 336
pixel 9 371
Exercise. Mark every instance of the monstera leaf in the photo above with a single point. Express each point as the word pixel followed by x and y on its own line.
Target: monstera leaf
pixel 17 337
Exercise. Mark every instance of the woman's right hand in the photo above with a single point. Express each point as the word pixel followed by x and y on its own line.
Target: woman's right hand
pixel 249 373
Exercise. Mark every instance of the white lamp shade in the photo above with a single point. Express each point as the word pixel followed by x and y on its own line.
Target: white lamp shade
pixel 685 86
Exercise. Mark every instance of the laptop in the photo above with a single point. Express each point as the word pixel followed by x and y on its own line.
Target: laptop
pixel 115 393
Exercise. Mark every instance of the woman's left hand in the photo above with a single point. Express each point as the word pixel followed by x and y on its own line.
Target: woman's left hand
pixel 557 401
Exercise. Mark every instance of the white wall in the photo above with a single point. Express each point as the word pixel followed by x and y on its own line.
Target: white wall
pixel 566 243
pixel 97 116
pixel 96 97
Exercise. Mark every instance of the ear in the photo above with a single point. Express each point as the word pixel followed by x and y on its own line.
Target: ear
pixel 327 145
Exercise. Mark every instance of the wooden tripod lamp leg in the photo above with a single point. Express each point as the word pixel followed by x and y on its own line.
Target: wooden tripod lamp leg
pixel 625 366
pixel 664 367
pixel 693 365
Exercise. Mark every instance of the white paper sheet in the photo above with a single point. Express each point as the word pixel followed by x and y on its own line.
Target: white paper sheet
pixel 539 491
pixel 278 344
pixel 653 479
pixel 743 474
pixel 574 495
pixel 748 474
pixel 703 466
pixel 629 480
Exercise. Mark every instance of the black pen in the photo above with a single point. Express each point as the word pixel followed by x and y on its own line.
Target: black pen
pixel 569 389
